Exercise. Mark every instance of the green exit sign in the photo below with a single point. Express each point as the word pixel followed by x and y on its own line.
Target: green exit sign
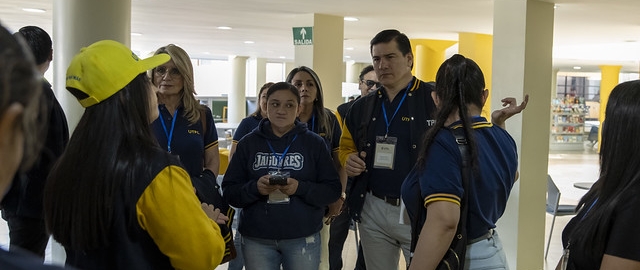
pixel 303 35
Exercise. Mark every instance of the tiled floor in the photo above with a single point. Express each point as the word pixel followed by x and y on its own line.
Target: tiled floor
pixel 564 167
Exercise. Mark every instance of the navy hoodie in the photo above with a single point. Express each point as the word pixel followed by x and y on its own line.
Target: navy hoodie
pixel 308 160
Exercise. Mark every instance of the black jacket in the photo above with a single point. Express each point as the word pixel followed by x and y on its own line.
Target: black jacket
pixel 358 133
pixel 24 198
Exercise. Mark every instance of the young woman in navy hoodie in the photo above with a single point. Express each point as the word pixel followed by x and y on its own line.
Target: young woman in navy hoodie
pixel 279 177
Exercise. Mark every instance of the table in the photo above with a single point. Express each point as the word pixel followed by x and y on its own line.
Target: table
pixel 583 185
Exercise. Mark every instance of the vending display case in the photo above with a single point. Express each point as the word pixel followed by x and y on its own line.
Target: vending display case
pixel 567 126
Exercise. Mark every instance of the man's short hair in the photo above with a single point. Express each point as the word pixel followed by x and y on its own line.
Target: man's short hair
pixel 364 71
pixel 386 36
pixel 39 42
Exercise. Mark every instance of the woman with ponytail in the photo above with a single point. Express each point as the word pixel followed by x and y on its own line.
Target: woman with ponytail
pixel 435 190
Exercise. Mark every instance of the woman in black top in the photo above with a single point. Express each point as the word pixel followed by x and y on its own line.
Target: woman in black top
pixel 606 232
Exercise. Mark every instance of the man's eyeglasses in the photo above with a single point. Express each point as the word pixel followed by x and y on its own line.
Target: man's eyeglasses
pixel 161 71
pixel 371 83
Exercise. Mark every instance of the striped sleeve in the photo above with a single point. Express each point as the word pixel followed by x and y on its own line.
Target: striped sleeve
pixel 441 197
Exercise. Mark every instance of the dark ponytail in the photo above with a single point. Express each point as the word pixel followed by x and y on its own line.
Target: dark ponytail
pixel 459 83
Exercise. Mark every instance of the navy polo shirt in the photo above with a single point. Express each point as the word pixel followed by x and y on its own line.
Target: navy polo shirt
pixel 245 127
pixel 188 141
pixel 386 182
pixel 441 179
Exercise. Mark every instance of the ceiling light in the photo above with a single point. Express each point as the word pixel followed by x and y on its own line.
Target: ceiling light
pixel 577 68
pixel 249 42
pixel 34 10
pixel 349 48
pixel 351 19
pixel 136 34
pixel 224 27
pixel 348 57
pixel 282 57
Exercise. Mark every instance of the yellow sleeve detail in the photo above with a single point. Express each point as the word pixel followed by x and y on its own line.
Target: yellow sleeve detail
pixel 215 143
pixel 171 213
pixel 441 197
pixel 347 146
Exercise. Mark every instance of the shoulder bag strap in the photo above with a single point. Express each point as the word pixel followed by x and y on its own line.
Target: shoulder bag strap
pixel 461 140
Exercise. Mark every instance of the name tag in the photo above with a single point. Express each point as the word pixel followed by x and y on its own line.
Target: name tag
pixel 385 152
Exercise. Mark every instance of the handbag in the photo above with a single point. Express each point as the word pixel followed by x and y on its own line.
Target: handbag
pixel 455 256
pixel 208 191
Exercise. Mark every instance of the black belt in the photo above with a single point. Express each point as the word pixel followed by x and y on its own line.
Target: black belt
pixel 395 201
pixel 485 236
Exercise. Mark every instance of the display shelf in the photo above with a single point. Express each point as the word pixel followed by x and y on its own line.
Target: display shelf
pixel 567 126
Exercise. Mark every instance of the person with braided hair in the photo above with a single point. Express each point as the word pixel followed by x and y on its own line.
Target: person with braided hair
pixel 435 185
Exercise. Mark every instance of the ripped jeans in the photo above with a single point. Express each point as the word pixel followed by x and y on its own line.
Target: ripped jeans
pixel 299 253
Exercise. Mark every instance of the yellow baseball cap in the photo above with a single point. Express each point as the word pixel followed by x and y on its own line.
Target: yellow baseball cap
pixel 104 68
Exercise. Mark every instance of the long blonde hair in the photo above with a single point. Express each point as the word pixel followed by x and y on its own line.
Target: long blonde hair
pixel 180 58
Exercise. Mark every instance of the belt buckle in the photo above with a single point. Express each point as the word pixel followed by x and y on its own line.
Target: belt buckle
pixel 392 201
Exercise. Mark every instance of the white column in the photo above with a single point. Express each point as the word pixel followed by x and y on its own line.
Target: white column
pixel 77 24
pixel 325 55
pixel 522 61
pixel 236 105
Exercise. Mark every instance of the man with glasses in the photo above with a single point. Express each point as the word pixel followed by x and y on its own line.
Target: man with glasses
pixel 368 82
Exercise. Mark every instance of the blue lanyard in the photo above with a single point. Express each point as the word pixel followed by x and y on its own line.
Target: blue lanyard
pixel 284 153
pixel 384 110
pixel 589 209
pixel 169 133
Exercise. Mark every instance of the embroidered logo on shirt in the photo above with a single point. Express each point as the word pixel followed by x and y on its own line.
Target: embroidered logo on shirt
pixel 193 131
pixel 292 161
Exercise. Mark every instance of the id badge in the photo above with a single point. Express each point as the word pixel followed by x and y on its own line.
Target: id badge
pixel 277 197
pixel 385 152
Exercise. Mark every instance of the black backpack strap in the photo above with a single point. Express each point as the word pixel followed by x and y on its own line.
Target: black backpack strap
pixel 460 238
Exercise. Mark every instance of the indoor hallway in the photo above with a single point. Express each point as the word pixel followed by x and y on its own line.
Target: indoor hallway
pixel 565 167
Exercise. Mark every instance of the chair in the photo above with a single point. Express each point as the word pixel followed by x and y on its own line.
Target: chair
pixel 555 208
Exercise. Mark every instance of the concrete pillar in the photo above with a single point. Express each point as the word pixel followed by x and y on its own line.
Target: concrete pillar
pixel 522 63
pixel 428 55
pixel 479 47
pixel 325 55
pixel 77 24
pixel 236 105
pixel 609 79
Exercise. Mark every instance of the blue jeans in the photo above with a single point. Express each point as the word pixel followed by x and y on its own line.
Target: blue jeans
pixel 267 254
pixel 486 254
